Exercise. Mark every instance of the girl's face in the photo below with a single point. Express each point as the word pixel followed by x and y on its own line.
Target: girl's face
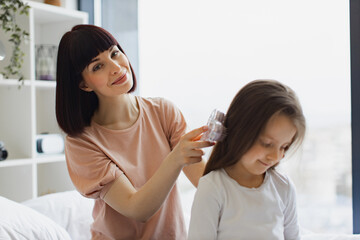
pixel 108 74
pixel 270 147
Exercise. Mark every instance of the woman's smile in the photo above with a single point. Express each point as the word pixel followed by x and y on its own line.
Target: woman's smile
pixel 121 79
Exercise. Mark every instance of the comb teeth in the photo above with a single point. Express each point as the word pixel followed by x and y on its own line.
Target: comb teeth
pixel 217 115
pixel 216 131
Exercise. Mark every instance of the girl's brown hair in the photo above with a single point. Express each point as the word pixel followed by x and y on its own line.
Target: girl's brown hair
pixel 247 116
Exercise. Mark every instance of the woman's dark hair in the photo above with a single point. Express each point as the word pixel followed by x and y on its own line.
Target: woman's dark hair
pixel 75 107
pixel 247 116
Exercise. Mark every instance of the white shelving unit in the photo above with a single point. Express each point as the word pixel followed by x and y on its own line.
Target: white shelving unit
pixel 29 110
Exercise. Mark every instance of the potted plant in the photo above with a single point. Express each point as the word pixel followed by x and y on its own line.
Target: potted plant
pixel 8 11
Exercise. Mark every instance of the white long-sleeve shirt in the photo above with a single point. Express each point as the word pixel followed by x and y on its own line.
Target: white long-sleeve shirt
pixel 223 209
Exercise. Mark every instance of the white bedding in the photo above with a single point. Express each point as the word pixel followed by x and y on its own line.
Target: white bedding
pixel 67 215
pixel 68 209
pixel 20 222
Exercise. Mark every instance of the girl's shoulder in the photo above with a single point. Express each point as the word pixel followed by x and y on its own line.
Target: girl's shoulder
pixel 278 176
pixel 214 178
pixel 281 181
pixel 212 184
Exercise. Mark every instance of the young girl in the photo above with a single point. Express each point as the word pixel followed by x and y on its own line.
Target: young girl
pixel 241 195
pixel 124 151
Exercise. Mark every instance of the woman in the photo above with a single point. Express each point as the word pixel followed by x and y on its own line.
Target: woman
pixel 124 151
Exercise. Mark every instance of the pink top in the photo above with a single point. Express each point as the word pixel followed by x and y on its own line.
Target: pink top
pixel 100 155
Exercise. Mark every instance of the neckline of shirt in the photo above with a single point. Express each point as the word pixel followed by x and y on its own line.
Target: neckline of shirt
pixel 135 125
pixel 266 179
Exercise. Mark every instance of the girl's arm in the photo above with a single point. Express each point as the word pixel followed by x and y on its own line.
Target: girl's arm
pixel 143 203
pixel 291 224
pixel 205 212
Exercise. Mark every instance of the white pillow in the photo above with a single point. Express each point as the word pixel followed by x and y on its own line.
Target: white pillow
pixel 18 222
pixel 68 209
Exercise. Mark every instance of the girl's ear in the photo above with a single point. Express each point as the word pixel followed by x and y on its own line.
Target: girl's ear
pixel 83 86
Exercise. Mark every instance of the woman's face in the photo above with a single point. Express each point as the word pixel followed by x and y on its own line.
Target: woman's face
pixel 270 147
pixel 108 74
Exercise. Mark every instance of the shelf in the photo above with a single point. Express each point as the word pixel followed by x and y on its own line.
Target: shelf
pixel 45 13
pixel 37 83
pixel 13 82
pixel 15 162
pixel 28 108
pixel 45 84
pixel 49 158
pixel 39 159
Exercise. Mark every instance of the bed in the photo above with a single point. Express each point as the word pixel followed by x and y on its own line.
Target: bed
pixel 67 216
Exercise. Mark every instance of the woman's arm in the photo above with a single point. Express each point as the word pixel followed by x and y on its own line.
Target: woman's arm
pixel 143 203
pixel 194 172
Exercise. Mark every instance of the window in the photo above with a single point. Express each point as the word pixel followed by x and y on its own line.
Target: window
pixel 200 53
pixel 355 99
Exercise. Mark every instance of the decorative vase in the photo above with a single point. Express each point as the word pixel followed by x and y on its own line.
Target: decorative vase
pixel 45 68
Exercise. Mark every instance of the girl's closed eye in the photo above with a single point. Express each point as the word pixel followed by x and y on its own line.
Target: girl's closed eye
pixel 265 143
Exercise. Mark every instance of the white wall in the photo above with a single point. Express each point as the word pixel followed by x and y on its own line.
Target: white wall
pixel 199 53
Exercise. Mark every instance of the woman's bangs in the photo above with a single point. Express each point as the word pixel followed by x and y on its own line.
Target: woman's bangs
pixel 87 46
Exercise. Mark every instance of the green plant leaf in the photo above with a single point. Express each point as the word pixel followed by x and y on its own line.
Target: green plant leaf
pixel 8 9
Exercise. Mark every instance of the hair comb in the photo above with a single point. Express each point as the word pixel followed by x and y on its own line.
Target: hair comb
pixel 216 131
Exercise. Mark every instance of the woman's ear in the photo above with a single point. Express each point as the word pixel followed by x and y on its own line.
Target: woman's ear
pixel 83 86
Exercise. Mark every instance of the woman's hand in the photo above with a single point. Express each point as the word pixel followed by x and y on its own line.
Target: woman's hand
pixel 188 150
